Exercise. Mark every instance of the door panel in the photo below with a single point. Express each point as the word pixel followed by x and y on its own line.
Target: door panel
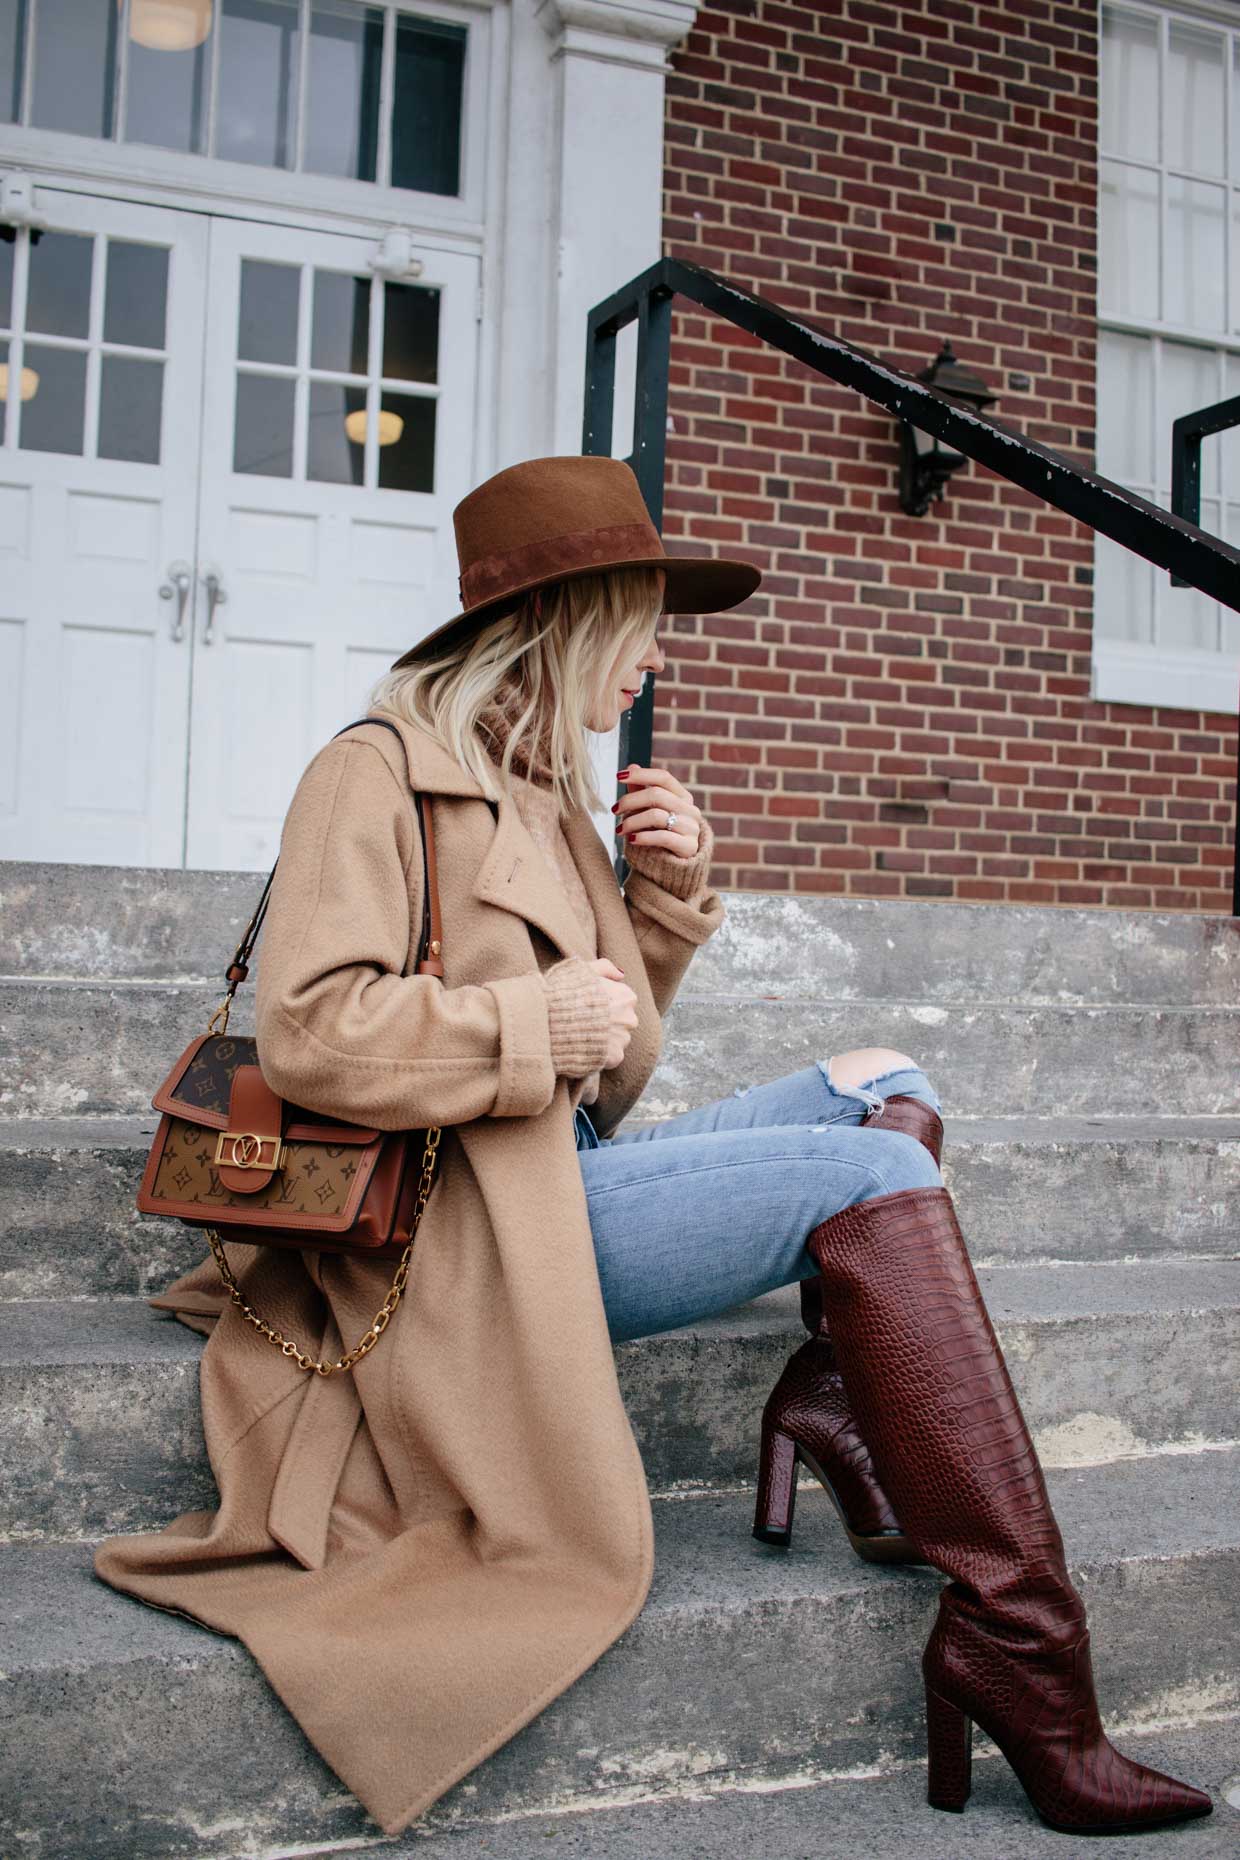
pixel 328 481
pixel 101 339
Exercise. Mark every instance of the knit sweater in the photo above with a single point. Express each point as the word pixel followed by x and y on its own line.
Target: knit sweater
pixel 577 998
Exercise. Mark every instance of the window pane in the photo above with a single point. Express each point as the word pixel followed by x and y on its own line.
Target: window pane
pixel 1188 619
pixel 407 460
pixel 1195 99
pixel 335 448
pixel 1125 407
pixel 58 300
pixel 1128 214
pixel 1128 99
pixel 411 333
pixel 1195 270
pixel 130 409
pixel 263 431
pixel 1229 619
pixel 75 65
pixel 1189 382
pixel 12 50
pixel 340 329
pixel 53 416
pixel 27 391
pixel 137 294
pixel 426 106
pixel 259 59
pixel 342 115
pixel 268 322
pixel 1229 441
pixel 169 66
pixel 1123 592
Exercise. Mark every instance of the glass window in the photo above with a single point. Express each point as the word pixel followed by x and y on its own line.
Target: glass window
pixel 290 84
pixel 410 333
pixel 1163 269
pixel 6 282
pixel 340 325
pixel 1194 99
pixel 1128 84
pixel 342 115
pixel 426 105
pixel 304 413
pixel 130 409
pixel 263 428
pixel 75 65
pixel 269 300
pixel 136 298
pixel 256 119
pixel 12 58
pixel 54 418
pixel 169 69
pixel 58 292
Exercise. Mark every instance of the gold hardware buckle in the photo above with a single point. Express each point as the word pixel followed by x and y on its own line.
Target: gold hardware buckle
pixel 247 1150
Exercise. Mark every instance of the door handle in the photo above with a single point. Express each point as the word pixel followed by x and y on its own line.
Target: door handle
pixel 178 585
pixel 217 595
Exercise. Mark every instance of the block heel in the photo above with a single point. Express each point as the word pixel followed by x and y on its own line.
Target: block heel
pixel 777 1487
pixel 949 1754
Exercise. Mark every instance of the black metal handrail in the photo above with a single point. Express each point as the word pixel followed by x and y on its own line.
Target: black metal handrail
pixel 1191 555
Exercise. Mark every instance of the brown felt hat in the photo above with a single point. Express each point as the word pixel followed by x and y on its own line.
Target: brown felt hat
pixel 552 519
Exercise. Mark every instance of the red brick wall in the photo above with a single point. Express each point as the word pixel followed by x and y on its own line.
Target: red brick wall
pixel 903 708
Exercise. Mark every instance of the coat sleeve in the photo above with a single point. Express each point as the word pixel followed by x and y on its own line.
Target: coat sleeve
pixel 341 1030
pixel 673 910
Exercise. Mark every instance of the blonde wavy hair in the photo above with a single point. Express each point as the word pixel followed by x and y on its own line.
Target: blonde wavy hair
pixel 546 663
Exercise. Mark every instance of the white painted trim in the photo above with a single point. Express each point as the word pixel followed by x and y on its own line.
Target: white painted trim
pixel 1151 675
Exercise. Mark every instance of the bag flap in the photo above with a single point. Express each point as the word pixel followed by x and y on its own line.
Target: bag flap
pixel 199 1088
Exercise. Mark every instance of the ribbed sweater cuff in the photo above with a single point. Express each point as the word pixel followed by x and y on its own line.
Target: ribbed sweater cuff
pixel 578 1015
pixel 683 878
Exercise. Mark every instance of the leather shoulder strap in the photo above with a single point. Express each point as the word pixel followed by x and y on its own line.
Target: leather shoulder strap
pixel 430 944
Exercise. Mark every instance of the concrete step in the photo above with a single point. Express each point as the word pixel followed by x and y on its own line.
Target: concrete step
pixel 747 1663
pixel 882 1814
pixel 1031 1191
pixel 84 1049
pixel 113 922
pixel 99 1409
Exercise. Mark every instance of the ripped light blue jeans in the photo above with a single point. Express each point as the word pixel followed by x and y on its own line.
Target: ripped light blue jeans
pixel 712 1208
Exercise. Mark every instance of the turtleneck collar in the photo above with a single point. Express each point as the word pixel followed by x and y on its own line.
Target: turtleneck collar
pixel 495 725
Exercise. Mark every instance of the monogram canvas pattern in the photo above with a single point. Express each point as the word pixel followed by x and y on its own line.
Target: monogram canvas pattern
pixel 206 1083
pixel 318 1178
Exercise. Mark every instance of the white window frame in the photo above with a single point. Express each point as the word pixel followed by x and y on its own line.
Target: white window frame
pixel 170 178
pixel 1146 672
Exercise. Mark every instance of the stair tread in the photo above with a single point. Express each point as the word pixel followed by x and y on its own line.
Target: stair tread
pixel 128 1330
pixel 882 1814
pixel 135 1130
pixel 58 1614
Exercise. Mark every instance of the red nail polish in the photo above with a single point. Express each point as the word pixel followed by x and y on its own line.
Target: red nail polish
pixel 621 773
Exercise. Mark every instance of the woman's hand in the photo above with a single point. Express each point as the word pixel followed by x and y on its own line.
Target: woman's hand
pixel 623 1002
pixel 642 813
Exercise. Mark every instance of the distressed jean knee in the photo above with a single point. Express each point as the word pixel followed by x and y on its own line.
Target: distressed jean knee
pixel 902 1081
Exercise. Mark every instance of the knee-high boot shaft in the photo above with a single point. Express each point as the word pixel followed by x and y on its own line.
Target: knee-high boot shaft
pixel 934 1401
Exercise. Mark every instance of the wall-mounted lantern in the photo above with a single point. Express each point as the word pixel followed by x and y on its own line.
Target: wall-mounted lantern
pixel 926 463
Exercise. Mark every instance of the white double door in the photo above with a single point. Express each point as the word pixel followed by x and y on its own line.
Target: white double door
pixel 231 452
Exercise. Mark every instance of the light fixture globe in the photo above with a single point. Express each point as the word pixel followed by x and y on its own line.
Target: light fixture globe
pixel 391 426
pixel 28 387
pixel 169 25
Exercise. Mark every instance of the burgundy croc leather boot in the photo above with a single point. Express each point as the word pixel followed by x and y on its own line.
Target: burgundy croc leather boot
pixel 934 1401
pixel 807 1418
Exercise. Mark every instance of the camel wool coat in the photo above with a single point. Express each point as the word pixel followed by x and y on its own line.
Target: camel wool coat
pixel 423 1554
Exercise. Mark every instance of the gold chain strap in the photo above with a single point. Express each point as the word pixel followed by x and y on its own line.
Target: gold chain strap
pixel 382 1316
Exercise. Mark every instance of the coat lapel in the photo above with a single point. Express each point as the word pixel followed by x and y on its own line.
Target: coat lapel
pixel 515 875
